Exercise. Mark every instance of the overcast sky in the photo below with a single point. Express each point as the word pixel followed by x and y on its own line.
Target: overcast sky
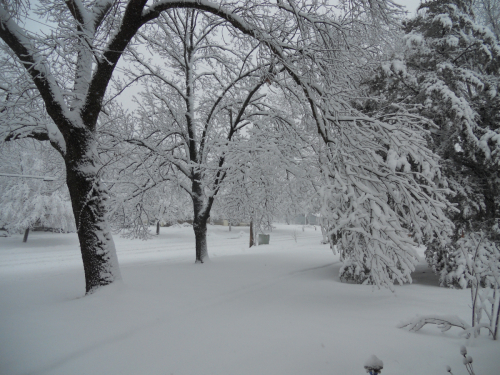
pixel 411 5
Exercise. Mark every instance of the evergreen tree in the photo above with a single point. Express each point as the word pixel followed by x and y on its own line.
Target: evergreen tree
pixel 449 72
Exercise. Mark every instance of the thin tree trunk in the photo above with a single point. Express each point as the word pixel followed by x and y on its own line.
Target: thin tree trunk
pixel 251 234
pixel 495 333
pixel 229 225
pixel 158 228
pixel 26 233
pixel 474 291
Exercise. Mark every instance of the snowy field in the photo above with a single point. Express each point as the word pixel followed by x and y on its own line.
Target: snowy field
pixel 278 309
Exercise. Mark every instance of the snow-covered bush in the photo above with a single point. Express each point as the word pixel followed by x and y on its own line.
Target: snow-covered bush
pixel 474 263
pixel 352 271
pixel 27 202
pixel 359 273
pixel 474 255
pixel 382 197
pixel 479 266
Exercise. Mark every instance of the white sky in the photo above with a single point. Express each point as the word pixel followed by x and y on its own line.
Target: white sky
pixel 411 5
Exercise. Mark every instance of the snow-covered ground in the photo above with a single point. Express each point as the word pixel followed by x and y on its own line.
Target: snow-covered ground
pixel 276 309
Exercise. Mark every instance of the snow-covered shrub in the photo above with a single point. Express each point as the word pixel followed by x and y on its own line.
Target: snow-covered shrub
pixel 352 271
pixel 24 206
pixel 461 262
pixel 480 262
pixel 359 273
pixel 474 263
pixel 26 202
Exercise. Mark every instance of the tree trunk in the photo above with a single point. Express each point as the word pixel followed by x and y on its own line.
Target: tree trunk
pixel 201 215
pixel 200 233
pixel 88 198
pixel 495 332
pixel 26 233
pixel 251 234
pixel 229 225
pixel 158 228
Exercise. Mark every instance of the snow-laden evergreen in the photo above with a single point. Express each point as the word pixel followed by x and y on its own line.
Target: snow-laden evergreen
pixel 449 71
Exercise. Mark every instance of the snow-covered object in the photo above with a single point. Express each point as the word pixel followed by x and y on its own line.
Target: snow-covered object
pixel 24 206
pixel 444 322
pixel 454 73
pixel 185 142
pixel 373 365
pixel 452 70
pixel 366 196
pixel 474 262
pixel 452 76
pixel 479 270
pixel 27 202
pixel 474 255
pixel 268 179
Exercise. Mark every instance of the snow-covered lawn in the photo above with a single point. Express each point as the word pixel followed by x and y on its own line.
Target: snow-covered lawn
pixel 278 309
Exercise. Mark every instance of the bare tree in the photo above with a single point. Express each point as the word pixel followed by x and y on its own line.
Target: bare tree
pixel 195 104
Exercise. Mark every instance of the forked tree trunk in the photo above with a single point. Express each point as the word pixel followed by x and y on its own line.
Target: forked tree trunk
pixel 26 233
pixel 88 198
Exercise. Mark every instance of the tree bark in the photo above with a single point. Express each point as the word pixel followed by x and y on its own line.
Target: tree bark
pixel 495 332
pixel 158 228
pixel 200 233
pixel 88 198
pixel 251 234
pixel 201 214
pixel 26 233
pixel 200 230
